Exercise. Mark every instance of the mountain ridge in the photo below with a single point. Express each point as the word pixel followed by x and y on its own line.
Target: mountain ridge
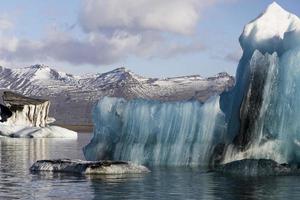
pixel 75 95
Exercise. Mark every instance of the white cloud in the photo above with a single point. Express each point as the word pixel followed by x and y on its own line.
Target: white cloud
pixel 234 56
pixel 6 41
pixel 5 24
pixel 176 16
pixel 60 46
pixel 114 30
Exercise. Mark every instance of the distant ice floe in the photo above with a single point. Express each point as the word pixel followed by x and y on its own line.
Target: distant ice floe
pixel 28 117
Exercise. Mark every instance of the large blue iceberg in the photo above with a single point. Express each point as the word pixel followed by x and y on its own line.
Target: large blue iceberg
pixel 264 112
pixel 258 118
pixel 156 133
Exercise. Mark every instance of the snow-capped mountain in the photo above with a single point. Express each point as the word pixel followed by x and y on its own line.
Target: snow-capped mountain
pixel 75 95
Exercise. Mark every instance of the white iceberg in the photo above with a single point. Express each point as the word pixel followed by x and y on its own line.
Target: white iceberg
pixel 28 117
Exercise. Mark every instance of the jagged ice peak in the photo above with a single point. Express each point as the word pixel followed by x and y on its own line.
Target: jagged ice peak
pixel 273 22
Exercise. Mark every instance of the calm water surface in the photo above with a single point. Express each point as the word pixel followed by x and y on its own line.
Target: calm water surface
pixel 16 182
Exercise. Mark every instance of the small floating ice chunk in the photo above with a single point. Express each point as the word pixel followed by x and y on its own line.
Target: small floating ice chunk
pixel 258 167
pixel 88 167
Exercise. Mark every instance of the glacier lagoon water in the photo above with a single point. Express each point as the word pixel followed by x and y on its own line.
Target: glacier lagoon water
pixel 16 182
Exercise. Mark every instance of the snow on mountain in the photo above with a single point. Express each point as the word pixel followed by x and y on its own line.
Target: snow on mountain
pixel 75 95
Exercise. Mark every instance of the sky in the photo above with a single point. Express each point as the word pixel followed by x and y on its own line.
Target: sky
pixel 154 38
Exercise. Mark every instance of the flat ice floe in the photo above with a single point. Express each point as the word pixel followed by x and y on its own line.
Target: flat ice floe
pixel 36 132
pixel 88 167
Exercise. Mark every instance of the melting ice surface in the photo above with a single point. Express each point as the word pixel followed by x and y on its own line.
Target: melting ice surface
pixel 155 133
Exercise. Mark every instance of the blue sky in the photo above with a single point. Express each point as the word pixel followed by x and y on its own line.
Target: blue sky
pixel 157 38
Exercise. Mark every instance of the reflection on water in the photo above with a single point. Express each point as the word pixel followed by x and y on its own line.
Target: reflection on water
pixel 17 182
